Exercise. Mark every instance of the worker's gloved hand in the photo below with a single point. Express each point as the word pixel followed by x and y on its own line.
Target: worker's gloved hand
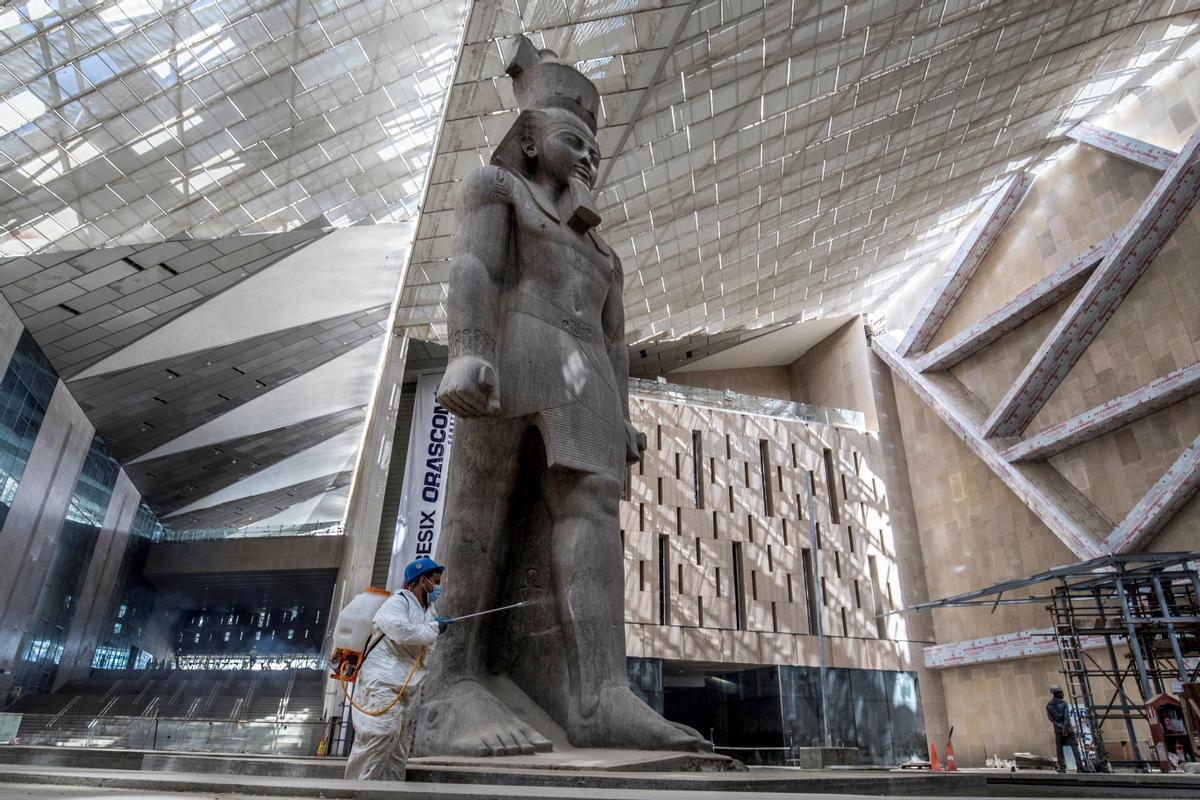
pixel 443 624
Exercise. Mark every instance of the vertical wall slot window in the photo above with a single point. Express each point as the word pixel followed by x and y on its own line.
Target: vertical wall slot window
pixel 880 621
pixel 698 469
pixel 739 595
pixel 810 589
pixel 664 580
pixel 831 481
pixel 764 461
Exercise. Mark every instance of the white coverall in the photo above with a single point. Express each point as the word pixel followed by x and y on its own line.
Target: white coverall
pixel 381 744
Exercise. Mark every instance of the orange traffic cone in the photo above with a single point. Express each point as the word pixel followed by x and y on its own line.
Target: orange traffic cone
pixel 934 766
pixel 951 765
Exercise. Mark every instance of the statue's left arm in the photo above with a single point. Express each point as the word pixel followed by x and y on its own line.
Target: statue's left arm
pixel 613 320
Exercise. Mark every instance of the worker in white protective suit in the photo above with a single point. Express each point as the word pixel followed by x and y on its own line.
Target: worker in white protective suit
pixel 391 675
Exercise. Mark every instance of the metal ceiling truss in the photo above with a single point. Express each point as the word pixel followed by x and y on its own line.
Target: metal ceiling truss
pixel 1159 216
pixel 1122 146
pixel 1103 275
pixel 970 255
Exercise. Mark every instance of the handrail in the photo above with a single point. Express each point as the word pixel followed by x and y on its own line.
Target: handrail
pixel 264 736
pixel 286 700
pixel 131 718
pixel 112 690
pixel 103 712
pixel 262 532
pixel 237 707
pixel 192 709
pixel 63 710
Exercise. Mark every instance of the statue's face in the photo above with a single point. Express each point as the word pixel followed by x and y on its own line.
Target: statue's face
pixel 569 151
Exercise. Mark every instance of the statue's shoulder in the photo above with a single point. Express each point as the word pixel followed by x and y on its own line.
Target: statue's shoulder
pixel 490 184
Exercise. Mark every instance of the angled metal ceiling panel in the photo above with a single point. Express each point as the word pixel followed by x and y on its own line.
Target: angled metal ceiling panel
pixel 138 409
pixel 82 306
pixel 174 481
pixel 246 511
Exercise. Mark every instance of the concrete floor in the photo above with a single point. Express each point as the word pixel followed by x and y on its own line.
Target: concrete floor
pixel 39 792
pixel 46 782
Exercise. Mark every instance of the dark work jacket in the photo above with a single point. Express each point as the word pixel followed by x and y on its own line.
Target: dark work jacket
pixel 1058 713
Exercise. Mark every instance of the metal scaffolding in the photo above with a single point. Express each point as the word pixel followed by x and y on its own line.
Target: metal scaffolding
pixel 1127 629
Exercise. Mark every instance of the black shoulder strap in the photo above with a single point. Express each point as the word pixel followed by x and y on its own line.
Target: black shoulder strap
pixel 371 645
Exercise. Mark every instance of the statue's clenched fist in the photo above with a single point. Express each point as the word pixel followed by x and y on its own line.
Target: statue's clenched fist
pixel 635 444
pixel 469 387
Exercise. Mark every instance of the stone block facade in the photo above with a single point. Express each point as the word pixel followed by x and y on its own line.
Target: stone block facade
pixel 728 560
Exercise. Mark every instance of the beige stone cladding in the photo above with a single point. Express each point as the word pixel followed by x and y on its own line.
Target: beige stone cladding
pixel 974 532
pixel 715 559
pixel 1080 198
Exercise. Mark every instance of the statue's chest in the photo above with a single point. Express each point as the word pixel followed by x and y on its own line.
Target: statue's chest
pixel 551 252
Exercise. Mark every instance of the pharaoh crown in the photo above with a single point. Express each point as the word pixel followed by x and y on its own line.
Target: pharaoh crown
pixel 542 80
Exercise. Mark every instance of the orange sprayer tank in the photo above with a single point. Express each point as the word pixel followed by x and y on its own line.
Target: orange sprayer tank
pixel 352 630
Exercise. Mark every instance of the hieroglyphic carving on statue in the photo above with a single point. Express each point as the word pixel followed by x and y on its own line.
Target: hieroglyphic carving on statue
pixel 474 342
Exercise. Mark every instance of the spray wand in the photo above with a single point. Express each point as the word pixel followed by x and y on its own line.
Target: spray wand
pixel 488 611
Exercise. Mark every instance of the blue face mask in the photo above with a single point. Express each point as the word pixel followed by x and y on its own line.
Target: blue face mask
pixel 434 594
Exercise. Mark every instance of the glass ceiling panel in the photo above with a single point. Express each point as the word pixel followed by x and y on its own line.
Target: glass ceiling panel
pixel 794 160
pixel 139 120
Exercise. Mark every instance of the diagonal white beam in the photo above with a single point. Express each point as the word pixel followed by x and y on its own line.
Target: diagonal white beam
pixel 668 51
pixel 1160 504
pixel 966 260
pixel 1158 394
pixel 1022 308
pixel 1160 215
pixel 1122 146
pixel 1002 647
pixel 1076 522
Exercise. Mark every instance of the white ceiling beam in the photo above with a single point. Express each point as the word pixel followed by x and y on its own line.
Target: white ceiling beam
pixel 1095 422
pixel 1122 146
pixel 1159 505
pixel 1002 647
pixel 1159 216
pixel 1071 517
pixel 966 260
pixel 1022 308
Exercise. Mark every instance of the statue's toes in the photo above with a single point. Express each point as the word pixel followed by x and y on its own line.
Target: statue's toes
pixel 491 746
pixel 539 743
pixel 524 744
pixel 692 737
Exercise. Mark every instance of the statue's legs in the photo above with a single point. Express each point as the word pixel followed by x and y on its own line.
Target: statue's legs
pixel 458 714
pixel 589 580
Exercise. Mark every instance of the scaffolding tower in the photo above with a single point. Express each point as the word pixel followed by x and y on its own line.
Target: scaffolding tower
pixel 1127 629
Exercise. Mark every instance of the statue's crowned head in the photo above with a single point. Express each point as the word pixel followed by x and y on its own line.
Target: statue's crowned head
pixel 553 96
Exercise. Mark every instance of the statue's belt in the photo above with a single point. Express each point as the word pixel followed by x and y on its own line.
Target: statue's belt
pixel 547 312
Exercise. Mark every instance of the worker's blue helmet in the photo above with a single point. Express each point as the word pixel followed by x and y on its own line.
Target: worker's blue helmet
pixel 420 566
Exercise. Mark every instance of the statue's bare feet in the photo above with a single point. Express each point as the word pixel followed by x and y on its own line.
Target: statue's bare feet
pixel 622 720
pixel 468 720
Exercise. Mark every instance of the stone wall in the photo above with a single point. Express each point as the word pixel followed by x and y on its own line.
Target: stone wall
pixel 973 531
pixel 835 372
pixel 759 381
pixel 715 567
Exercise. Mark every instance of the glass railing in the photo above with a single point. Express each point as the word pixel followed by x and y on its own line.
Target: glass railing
pixel 746 404
pixel 266 531
pixel 264 737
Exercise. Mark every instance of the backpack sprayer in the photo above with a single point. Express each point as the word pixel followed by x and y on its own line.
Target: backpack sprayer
pixel 354 627
pixel 352 642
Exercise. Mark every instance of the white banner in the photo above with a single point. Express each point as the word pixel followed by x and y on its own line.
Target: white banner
pixel 424 492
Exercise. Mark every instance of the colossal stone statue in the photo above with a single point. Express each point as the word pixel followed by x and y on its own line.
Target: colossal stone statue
pixel 538 376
